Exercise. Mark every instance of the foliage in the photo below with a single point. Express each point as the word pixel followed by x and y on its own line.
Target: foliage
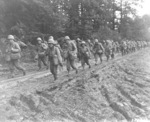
pixel 103 19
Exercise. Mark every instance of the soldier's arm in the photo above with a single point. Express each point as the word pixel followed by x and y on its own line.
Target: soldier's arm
pixel 46 52
pixel 102 47
pixel 89 51
pixel 75 48
pixel 16 49
pixel 59 56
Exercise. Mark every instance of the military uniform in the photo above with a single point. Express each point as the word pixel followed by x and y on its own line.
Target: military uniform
pixel 107 50
pixel 70 51
pixel 78 45
pixel 55 59
pixel 85 55
pixel 41 50
pixel 98 51
pixel 13 52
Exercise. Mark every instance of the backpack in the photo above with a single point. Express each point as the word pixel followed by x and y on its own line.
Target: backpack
pixel 44 46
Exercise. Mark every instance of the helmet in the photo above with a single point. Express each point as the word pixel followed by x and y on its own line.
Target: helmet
pixel 11 37
pixel 96 40
pixel 67 38
pixel 88 40
pixel 83 42
pixel 51 41
pixel 78 39
pixel 51 37
pixel 39 39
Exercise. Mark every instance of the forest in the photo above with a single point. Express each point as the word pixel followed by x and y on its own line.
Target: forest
pixel 102 19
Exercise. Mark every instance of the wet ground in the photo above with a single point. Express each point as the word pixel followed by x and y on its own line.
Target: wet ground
pixel 117 90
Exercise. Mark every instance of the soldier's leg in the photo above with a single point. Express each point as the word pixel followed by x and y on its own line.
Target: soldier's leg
pixel 96 59
pixel 112 55
pixel 107 55
pixel 43 59
pixel 68 65
pixel 56 72
pixel 100 56
pixel 39 62
pixel 87 62
pixel 83 62
pixel 11 68
pixel 53 69
pixel 19 67
pixel 72 63
pixel 79 56
pixel 123 52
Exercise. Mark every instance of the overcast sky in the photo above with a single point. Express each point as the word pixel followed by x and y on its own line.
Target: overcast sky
pixel 145 8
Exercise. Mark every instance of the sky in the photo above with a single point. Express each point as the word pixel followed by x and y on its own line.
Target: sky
pixel 145 8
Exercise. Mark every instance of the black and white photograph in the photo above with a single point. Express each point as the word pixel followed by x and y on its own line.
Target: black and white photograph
pixel 74 60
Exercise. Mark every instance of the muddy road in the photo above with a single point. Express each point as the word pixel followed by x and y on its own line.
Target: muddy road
pixel 118 90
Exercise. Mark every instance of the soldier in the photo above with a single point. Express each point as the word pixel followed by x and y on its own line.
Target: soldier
pixel 13 52
pixel 107 49
pixel 98 51
pixel 123 47
pixel 54 57
pixel 113 49
pixel 41 50
pixel 117 47
pixel 90 45
pixel 85 54
pixel 78 44
pixel 70 50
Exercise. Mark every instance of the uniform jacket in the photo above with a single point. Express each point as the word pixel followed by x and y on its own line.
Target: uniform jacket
pixel 41 49
pixel 54 53
pixel 98 47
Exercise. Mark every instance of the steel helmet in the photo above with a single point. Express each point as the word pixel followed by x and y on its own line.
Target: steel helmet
pixel 78 39
pixel 83 42
pixel 89 40
pixel 39 39
pixel 96 40
pixel 51 37
pixel 11 37
pixel 67 38
pixel 51 41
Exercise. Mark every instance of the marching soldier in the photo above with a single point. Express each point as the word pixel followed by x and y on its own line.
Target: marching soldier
pixel 13 55
pixel 70 51
pixel 54 57
pixel 41 50
pixel 85 54
pixel 78 45
pixel 90 45
pixel 98 51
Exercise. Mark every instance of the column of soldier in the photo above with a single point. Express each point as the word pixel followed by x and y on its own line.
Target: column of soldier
pixel 69 51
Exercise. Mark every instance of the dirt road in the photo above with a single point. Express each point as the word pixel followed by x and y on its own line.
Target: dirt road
pixel 117 90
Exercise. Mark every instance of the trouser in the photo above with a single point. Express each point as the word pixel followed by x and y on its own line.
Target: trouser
pixel 85 60
pixel 71 63
pixel 98 55
pixel 54 69
pixel 112 52
pixel 42 59
pixel 122 51
pixel 79 56
pixel 14 63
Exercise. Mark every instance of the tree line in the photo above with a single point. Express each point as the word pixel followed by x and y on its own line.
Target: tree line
pixel 102 19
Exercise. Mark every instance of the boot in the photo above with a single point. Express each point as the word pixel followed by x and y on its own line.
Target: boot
pixel 76 71
pixel 55 77
pixel 24 72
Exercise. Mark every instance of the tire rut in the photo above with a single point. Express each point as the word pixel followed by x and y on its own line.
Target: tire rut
pixel 114 105
pixel 128 96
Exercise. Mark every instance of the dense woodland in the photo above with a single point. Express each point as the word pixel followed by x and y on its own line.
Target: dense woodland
pixel 102 19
